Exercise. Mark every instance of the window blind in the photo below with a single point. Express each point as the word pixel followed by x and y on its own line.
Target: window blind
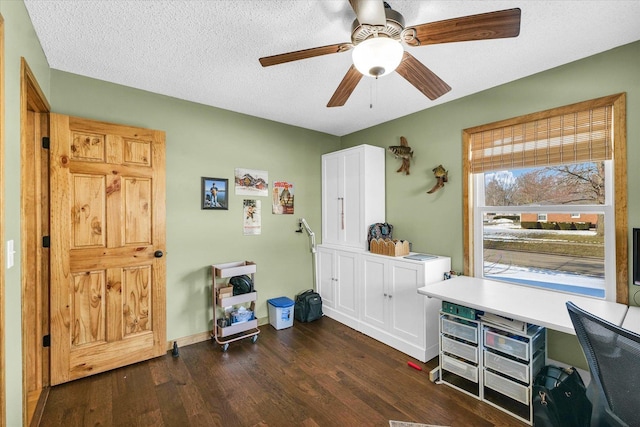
pixel 569 138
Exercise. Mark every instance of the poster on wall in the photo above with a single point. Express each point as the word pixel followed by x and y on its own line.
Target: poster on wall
pixel 282 198
pixel 251 182
pixel 252 215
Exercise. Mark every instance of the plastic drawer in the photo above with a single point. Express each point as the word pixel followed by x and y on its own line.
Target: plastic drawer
pixel 460 368
pixel 461 349
pixel 538 340
pixel 538 363
pixel 507 343
pixel 507 387
pixel 512 368
pixel 455 328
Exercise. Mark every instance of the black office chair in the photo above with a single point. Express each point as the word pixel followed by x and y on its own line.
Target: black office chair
pixel 613 354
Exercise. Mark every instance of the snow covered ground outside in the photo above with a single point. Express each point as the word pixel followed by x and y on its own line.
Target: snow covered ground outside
pixel 505 230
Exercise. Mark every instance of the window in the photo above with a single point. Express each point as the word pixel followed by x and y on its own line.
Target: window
pixel 553 249
pixel 540 200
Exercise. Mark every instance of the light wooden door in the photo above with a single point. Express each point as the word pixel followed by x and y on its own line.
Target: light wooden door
pixel 107 186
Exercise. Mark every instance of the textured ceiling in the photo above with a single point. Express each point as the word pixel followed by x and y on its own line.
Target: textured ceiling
pixel 207 51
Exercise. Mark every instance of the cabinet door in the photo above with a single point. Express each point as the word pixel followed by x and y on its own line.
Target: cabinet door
pixel 346 271
pixel 355 233
pixel 374 291
pixel 407 315
pixel 332 198
pixel 326 278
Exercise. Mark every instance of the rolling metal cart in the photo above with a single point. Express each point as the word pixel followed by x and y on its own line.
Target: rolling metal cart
pixel 225 330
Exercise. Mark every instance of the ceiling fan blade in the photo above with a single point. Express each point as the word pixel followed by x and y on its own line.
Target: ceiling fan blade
pixel 345 88
pixel 484 26
pixel 425 80
pixel 369 11
pixel 304 54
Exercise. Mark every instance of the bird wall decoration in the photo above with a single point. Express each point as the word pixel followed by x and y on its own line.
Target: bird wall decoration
pixel 442 176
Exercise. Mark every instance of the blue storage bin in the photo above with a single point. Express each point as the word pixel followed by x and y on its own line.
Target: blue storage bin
pixel 280 312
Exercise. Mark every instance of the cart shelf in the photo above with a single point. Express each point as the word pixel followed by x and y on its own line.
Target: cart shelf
pixel 226 334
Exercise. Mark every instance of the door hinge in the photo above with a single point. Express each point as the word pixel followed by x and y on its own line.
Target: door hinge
pixel 46 341
pixel 46 242
pixel 45 142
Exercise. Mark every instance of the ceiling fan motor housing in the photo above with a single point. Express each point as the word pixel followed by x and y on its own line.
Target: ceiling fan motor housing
pixel 392 29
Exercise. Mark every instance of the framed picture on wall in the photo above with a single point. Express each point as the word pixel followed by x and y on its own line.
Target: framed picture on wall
pixel 215 194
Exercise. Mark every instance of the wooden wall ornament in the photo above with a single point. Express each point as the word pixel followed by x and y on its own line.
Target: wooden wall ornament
pixel 404 152
pixel 441 176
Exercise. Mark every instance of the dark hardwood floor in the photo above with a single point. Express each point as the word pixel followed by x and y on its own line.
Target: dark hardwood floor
pixel 313 374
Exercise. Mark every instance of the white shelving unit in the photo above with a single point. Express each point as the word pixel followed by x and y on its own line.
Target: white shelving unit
pixel 226 334
pixel 511 360
pixel 460 355
pixel 492 362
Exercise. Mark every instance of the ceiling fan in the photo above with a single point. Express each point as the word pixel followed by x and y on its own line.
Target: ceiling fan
pixel 377 38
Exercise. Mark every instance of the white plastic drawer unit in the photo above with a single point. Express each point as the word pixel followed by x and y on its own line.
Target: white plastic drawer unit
pixel 516 370
pixel 460 368
pixel 507 343
pixel 507 387
pixel 460 328
pixel 459 348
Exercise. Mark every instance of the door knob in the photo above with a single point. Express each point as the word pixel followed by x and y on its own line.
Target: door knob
pixel 158 254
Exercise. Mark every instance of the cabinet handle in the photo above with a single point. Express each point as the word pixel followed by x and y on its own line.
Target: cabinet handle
pixel 341 212
pixel 385 295
pixel 390 296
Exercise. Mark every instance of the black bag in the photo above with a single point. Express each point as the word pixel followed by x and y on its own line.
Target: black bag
pixel 560 398
pixel 308 306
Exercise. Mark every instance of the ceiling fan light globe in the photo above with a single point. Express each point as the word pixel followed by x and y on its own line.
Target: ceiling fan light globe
pixel 377 56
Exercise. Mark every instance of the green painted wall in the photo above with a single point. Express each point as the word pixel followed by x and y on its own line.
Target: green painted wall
pixel 20 41
pixel 205 141
pixel 433 222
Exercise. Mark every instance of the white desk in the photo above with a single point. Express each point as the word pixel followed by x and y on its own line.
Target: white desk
pixel 632 320
pixel 531 305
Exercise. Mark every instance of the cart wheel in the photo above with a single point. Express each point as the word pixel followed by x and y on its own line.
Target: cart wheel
pixel 254 339
pixel 225 347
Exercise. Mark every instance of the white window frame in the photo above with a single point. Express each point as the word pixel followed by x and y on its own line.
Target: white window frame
pixel 607 209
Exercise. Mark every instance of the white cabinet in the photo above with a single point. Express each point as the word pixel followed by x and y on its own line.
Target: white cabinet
pixel 392 311
pixel 353 194
pixel 338 284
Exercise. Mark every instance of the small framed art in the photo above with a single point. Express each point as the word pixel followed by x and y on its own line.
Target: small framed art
pixel 215 193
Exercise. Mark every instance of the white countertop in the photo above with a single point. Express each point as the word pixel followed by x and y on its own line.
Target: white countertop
pixel 532 305
pixel 632 320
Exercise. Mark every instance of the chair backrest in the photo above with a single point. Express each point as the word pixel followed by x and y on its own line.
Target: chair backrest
pixel 613 354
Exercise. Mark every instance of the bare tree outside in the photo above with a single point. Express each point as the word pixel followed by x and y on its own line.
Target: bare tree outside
pixel 513 248
pixel 573 184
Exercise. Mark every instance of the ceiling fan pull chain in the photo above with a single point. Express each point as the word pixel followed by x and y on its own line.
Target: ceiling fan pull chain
pixel 373 92
pixel 371 95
